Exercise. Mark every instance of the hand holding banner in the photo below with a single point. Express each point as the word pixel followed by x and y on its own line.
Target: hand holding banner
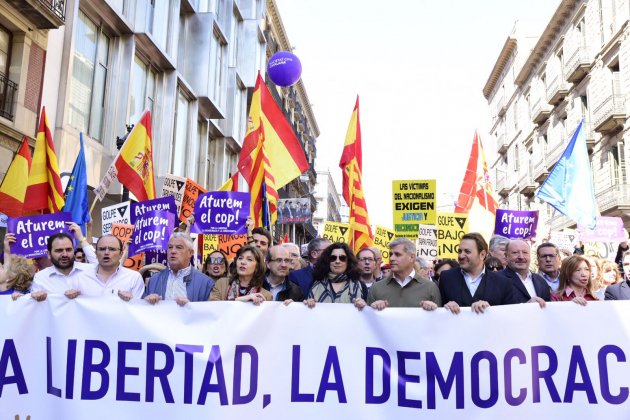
pixel 222 212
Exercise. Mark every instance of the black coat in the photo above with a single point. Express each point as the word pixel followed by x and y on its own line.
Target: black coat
pixel 494 289
pixel 521 295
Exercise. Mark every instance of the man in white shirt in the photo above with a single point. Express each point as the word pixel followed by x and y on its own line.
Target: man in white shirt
pixel 528 287
pixel 57 278
pixel 108 278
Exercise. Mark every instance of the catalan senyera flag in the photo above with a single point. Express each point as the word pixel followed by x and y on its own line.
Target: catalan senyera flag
pixel 134 163
pixel 44 192
pixel 476 196
pixel 351 165
pixel 13 187
pixel 270 158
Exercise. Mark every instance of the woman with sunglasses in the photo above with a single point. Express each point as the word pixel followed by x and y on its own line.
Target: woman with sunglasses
pixel 216 265
pixel 246 283
pixel 493 264
pixel 336 276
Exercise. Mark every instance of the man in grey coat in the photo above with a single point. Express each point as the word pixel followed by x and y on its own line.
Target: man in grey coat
pixel 621 290
pixel 181 282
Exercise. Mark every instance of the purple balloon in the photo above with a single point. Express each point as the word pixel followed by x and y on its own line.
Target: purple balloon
pixel 284 69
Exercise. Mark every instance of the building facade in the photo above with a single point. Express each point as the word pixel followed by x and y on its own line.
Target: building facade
pixel 538 92
pixel 328 201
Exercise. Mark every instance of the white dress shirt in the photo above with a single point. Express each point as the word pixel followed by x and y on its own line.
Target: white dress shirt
pixel 473 283
pixel 406 280
pixel 91 283
pixel 50 280
pixel 529 284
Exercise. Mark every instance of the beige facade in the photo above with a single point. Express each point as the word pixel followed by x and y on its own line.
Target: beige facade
pixel 538 92
pixel 329 201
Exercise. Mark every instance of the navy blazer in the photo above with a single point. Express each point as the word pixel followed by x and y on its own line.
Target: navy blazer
pixel 521 295
pixel 493 288
pixel 619 291
pixel 303 278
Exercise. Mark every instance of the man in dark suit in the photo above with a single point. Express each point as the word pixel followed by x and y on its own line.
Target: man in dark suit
pixel 528 287
pixel 304 276
pixel 470 285
pixel 621 290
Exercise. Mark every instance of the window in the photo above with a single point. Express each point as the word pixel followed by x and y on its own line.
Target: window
pixel 158 21
pixel 178 153
pixel 142 90
pixel 217 68
pixel 234 35
pixel 209 6
pixel 240 109
pixel 619 164
pixel 89 78
pixel 5 50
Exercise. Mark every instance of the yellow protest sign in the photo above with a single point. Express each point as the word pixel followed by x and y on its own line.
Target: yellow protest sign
pixel 413 204
pixel 228 244
pixel 336 232
pixel 382 238
pixel 450 229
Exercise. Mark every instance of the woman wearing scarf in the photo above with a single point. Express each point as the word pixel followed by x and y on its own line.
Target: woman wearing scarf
pixel 336 275
pixel 245 285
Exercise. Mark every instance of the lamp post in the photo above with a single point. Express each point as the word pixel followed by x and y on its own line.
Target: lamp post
pixel 119 144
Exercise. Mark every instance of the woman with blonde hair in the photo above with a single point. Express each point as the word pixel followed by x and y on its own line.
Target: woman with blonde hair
pixel 16 275
pixel 245 284
pixel 576 283
pixel 609 275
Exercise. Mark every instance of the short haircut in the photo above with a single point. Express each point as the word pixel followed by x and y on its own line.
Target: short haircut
pixel 120 244
pixel 54 237
pixel 186 238
pixel 422 262
pixel 496 241
pixel 511 241
pixel 315 244
pixel 547 245
pixel 367 249
pixel 264 232
pixel 450 262
pixel 408 246
pixel 482 245
pixel 290 245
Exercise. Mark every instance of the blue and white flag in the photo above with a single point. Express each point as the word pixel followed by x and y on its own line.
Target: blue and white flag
pixel 76 195
pixel 569 186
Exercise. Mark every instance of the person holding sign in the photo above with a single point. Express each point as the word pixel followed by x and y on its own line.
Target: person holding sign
pixel 336 275
pixel 182 282
pixel 576 283
pixel 405 287
pixel 471 285
pixel 528 287
pixel 246 284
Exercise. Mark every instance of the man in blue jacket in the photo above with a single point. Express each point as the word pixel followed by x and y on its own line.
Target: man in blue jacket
pixel 304 276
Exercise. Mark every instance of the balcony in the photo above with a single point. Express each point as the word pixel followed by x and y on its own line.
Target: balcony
pixel 526 185
pixel 615 200
pixel 590 135
pixel 577 66
pixel 541 171
pixel 502 144
pixel 8 97
pixel 45 14
pixel 610 115
pixel 556 151
pixel 540 111
pixel 501 106
pixel 503 186
pixel 557 90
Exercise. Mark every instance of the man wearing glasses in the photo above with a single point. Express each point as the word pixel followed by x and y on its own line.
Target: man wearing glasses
pixel 528 287
pixel 276 281
pixel 304 276
pixel 549 264
pixel 367 263
pixel 621 290
pixel 108 277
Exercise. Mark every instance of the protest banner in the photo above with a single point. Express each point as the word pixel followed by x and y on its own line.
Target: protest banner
pixel 450 229
pixel 142 207
pixel 427 243
pixel 222 212
pixel 191 194
pixel 170 362
pixel 414 203
pixel 117 213
pixel 151 231
pixel 228 244
pixel 152 257
pixel 175 186
pixel 516 224
pixel 607 229
pixel 123 231
pixel 566 240
pixel 32 232
pixel 382 238
pixel 603 250
pixel 336 232
pixel 294 210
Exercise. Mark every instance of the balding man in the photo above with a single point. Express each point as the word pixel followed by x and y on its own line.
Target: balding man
pixel 294 254
pixel 277 281
pixel 181 282
pixel 528 287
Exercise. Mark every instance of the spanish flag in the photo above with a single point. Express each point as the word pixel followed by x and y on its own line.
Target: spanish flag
pixel 270 158
pixel 476 196
pixel 13 187
pixel 44 192
pixel 134 163
pixel 351 164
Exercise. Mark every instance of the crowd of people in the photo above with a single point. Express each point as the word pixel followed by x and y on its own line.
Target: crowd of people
pixel 499 273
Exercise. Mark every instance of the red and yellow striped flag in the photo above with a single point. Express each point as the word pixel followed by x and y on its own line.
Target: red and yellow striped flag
pixel 44 192
pixel 351 164
pixel 13 188
pixel 271 155
pixel 134 164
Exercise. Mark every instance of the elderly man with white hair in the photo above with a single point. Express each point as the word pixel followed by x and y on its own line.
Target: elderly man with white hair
pixel 294 254
pixel 181 282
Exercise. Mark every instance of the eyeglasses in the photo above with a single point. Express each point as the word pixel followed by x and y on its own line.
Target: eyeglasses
pixel 282 260
pixel 366 259
pixel 219 260
pixel 107 248
pixel 494 268
pixel 342 258
pixel 547 256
